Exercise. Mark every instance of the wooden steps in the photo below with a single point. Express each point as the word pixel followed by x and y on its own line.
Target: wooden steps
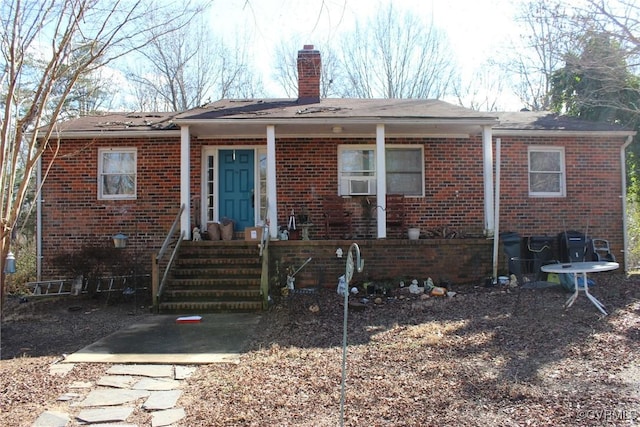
pixel 214 276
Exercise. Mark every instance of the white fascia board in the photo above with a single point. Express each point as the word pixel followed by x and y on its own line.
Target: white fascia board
pixel 114 134
pixel 342 120
pixel 600 134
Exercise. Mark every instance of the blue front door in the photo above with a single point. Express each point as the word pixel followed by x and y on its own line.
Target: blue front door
pixel 237 187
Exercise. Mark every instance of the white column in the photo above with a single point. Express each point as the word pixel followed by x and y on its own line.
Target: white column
pixel 185 181
pixel 272 193
pixel 381 183
pixel 487 163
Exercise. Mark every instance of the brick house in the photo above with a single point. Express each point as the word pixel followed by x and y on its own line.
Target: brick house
pixel 257 160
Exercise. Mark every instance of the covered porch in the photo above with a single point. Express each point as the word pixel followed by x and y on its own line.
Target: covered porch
pixel 286 142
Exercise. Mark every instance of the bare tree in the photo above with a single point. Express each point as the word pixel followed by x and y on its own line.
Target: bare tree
pixel 395 55
pixel 286 70
pixel 483 91
pixel 548 33
pixel 190 66
pixel 620 19
pixel 92 32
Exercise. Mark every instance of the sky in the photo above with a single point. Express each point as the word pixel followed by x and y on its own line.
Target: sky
pixel 475 28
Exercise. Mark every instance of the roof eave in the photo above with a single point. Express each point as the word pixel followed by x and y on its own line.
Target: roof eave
pixel 114 134
pixel 561 132
pixel 342 120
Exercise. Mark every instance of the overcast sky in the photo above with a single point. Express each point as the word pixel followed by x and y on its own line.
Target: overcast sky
pixel 475 28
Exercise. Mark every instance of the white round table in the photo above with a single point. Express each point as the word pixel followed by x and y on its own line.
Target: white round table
pixel 581 268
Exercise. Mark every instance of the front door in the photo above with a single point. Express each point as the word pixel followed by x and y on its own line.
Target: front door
pixel 236 187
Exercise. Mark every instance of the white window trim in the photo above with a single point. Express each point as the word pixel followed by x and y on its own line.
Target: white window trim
pixel 349 147
pixel 101 195
pixel 563 171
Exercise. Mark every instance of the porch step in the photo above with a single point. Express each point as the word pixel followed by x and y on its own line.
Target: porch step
pixel 214 276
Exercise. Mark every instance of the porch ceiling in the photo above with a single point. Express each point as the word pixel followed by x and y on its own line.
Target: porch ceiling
pixel 335 129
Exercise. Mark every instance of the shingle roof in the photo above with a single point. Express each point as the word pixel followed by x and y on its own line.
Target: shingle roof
pixel 548 121
pixel 119 121
pixel 331 108
pixel 288 110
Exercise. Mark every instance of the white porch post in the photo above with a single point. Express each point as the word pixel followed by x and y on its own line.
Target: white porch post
pixel 487 163
pixel 381 183
pixel 272 194
pixel 185 181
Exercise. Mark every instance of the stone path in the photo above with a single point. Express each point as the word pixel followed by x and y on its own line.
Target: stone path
pixel 116 395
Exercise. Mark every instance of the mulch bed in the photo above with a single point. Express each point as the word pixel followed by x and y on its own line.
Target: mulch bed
pixel 487 356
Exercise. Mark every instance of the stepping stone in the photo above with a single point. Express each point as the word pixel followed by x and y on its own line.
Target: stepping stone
pixel 111 397
pixel 69 396
pixel 51 419
pixel 184 372
pixel 156 384
pixel 81 384
pixel 162 400
pixel 61 369
pixel 142 370
pixel 102 415
pixel 114 425
pixel 166 418
pixel 117 381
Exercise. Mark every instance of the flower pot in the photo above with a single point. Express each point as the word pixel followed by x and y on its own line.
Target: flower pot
pixel 414 233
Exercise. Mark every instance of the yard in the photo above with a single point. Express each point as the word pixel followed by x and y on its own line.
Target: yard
pixel 487 356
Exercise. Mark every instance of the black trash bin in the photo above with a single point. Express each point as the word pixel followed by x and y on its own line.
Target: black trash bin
pixel 512 247
pixel 540 252
pixel 572 245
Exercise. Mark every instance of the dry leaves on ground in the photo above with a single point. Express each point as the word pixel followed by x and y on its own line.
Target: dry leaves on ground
pixel 488 356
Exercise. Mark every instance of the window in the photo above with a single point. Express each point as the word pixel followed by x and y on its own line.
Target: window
pixel 546 172
pixel 117 173
pixel 357 170
pixel 404 171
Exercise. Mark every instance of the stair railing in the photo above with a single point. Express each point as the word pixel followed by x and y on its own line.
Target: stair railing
pixel 157 286
pixel 264 255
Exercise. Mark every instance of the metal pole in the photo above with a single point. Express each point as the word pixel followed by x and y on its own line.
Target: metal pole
pixel 359 265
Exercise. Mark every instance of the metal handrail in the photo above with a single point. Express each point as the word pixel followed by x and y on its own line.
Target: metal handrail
pixel 157 286
pixel 167 239
pixel 169 264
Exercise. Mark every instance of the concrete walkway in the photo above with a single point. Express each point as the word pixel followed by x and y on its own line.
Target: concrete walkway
pixel 218 337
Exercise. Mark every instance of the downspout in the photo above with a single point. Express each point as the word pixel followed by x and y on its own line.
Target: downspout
pixel 496 233
pixel 623 163
pixel 381 182
pixel 39 220
pixel 487 163
pixel 272 193
pixel 185 182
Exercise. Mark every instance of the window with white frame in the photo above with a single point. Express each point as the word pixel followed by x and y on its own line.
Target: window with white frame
pixel 117 173
pixel 357 170
pixel 405 170
pixel 546 172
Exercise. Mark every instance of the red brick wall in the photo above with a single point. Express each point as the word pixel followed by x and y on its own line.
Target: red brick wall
pixel 460 261
pixel 73 216
pixel 453 184
pixel 594 190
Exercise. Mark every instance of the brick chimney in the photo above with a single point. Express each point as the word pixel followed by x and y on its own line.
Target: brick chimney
pixel 309 65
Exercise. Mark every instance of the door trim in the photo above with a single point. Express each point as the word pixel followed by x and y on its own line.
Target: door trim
pixel 211 150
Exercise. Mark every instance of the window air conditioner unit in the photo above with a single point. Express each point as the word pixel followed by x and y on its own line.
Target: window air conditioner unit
pixel 358 187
